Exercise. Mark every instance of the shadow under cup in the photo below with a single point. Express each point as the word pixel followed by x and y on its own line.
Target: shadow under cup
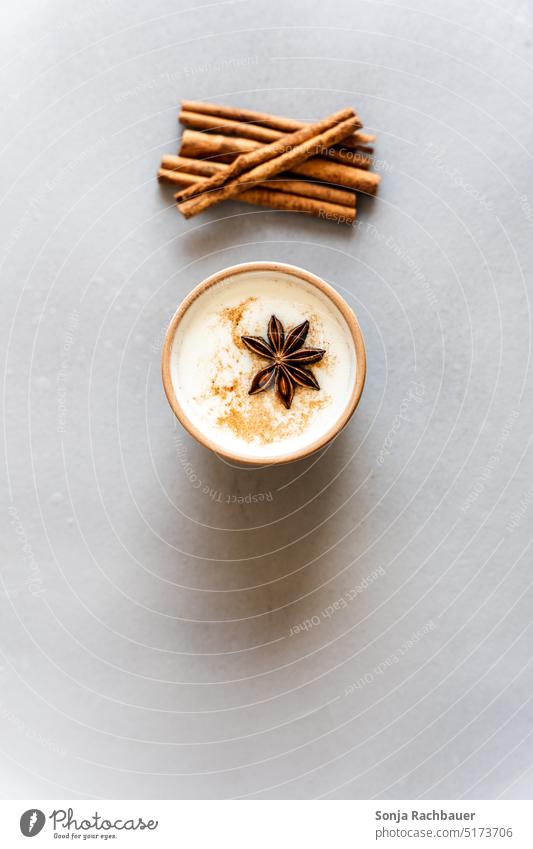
pixel 207 370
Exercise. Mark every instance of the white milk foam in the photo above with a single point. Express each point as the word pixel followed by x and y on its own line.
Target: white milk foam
pixel 212 370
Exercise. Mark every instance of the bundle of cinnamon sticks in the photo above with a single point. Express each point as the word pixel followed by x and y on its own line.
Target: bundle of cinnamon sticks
pixel 270 161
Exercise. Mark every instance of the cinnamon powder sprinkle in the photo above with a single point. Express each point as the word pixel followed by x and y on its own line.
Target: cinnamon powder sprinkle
pixel 234 316
pixel 253 418
pixel 253 421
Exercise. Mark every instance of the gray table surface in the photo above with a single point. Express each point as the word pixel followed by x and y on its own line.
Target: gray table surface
pixel 362 628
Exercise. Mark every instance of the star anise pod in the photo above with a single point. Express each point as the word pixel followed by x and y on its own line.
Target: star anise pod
pixel 287 360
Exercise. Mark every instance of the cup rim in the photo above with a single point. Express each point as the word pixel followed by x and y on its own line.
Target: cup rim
pixel 348 315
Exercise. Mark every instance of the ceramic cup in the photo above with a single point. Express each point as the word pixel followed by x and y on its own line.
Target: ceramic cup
pixel 207 370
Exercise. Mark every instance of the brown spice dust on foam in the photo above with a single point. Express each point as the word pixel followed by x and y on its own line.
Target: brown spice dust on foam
pixel 258 417
pixel 251 421
pixel 234 316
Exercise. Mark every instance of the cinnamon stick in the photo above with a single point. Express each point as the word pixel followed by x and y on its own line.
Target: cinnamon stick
pixel 172 167
pixel 340 175
pixel 274 122
pixel 192 166
pixel 265 135
pixel 280 200
pixel 269 160
pixel 348 156
pixel 213 147
pixel 230 128
pixel 229 147
pixel 222 148
pixel 303 141
pixel 296 203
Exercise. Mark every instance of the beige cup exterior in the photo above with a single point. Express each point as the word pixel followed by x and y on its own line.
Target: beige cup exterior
pixel 298 273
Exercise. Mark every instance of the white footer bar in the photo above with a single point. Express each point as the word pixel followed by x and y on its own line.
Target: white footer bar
pixel 267 824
